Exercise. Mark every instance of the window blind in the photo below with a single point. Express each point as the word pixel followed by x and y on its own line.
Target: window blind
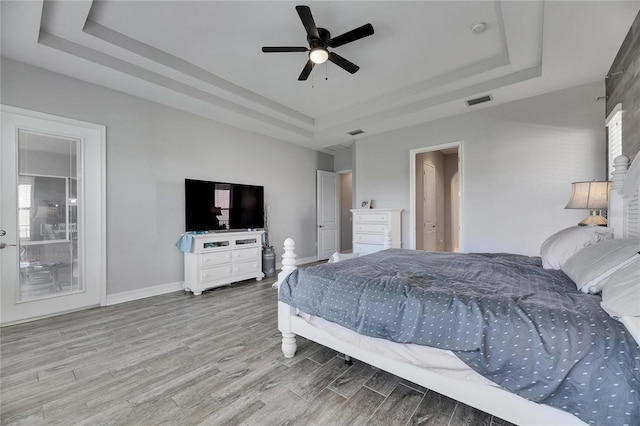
pixel 614 132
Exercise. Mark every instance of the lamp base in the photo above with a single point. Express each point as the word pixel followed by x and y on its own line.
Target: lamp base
pixel 594 219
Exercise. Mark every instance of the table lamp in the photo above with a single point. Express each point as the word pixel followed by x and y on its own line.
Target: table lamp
pixel 593 196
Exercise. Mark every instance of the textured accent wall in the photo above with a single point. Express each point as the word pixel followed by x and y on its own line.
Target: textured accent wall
pixel 625 88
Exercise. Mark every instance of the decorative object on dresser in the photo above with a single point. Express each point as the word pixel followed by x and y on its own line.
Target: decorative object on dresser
pixel 217 259
pixel 369 226
pixel 592 196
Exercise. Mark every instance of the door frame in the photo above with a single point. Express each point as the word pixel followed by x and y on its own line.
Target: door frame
pixel 99 248
pixel 412 189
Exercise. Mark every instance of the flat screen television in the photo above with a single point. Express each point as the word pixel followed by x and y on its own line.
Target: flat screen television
pixel 211 206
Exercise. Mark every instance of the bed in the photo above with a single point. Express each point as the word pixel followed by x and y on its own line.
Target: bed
pixel 585 373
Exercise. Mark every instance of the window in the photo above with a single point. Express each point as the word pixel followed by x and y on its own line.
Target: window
pixel 614 137
pixel 24 207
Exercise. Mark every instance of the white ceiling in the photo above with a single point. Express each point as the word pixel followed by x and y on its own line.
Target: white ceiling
pixel 421 64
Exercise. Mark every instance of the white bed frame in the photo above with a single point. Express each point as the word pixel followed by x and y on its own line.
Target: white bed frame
pixel 624 213
pixel 623 217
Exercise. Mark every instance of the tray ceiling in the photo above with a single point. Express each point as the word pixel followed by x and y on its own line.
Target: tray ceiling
pixel 421 64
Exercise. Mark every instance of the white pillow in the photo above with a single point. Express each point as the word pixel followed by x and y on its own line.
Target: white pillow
pixel 337 257
pixel 592 266
pixel 559 247
pixel 621 294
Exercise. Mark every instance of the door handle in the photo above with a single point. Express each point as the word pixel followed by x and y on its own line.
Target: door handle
pixel 3 245
pixel 3 232
pixel 320 226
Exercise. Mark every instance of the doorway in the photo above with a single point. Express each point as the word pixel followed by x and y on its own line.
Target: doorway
pixel 52 248
pixel 328 214
pixel 435 212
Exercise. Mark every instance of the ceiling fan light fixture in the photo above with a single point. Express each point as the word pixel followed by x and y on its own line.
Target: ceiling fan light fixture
pixel 319 55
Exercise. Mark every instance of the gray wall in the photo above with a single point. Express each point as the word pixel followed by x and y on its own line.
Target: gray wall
pixel 519 160
pixel 151 149
pixel 451 202
pixel 343 160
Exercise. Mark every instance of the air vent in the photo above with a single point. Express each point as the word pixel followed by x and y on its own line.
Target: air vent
pixel 355 132
pixel 479 100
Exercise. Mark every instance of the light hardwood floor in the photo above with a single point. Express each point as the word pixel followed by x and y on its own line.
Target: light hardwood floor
pixel 213 359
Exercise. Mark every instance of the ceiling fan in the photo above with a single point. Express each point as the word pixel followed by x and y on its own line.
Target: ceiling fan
pixel 319 40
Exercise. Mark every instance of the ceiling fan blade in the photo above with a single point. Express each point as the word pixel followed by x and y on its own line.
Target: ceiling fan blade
pixel 306 70
pixel 307 20
pixel 353 35
pixel 284 49
pixel 343 63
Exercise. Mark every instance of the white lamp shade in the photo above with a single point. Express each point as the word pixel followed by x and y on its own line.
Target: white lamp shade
pixel 592 195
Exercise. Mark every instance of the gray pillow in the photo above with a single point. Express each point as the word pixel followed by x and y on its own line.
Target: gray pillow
pixel 592 266
pixel 621 293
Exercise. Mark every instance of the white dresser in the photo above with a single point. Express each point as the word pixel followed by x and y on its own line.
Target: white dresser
pixel 217 259
pixel 369 226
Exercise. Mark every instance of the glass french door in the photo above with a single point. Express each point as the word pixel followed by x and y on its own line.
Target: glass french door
pixel 51 216
pixel 47 216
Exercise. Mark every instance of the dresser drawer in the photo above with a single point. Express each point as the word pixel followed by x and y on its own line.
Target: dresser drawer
pixel 246 267
pixel 247 254
pixel 371 217
pixel 215 258
pixel 215 273
pixel 362 249
pixel 373 228
pixel 368 238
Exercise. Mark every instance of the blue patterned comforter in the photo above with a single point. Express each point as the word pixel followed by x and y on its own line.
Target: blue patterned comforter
pixel 525 328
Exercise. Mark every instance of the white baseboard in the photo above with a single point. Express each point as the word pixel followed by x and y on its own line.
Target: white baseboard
pixel 305 260
pixel 301 261
pixel 128 296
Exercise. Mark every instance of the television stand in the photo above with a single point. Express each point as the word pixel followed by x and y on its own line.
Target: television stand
pixel 218 259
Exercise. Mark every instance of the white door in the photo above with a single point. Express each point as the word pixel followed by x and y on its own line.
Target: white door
pixel 52 230
pixel 429 207
pixel 328 216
